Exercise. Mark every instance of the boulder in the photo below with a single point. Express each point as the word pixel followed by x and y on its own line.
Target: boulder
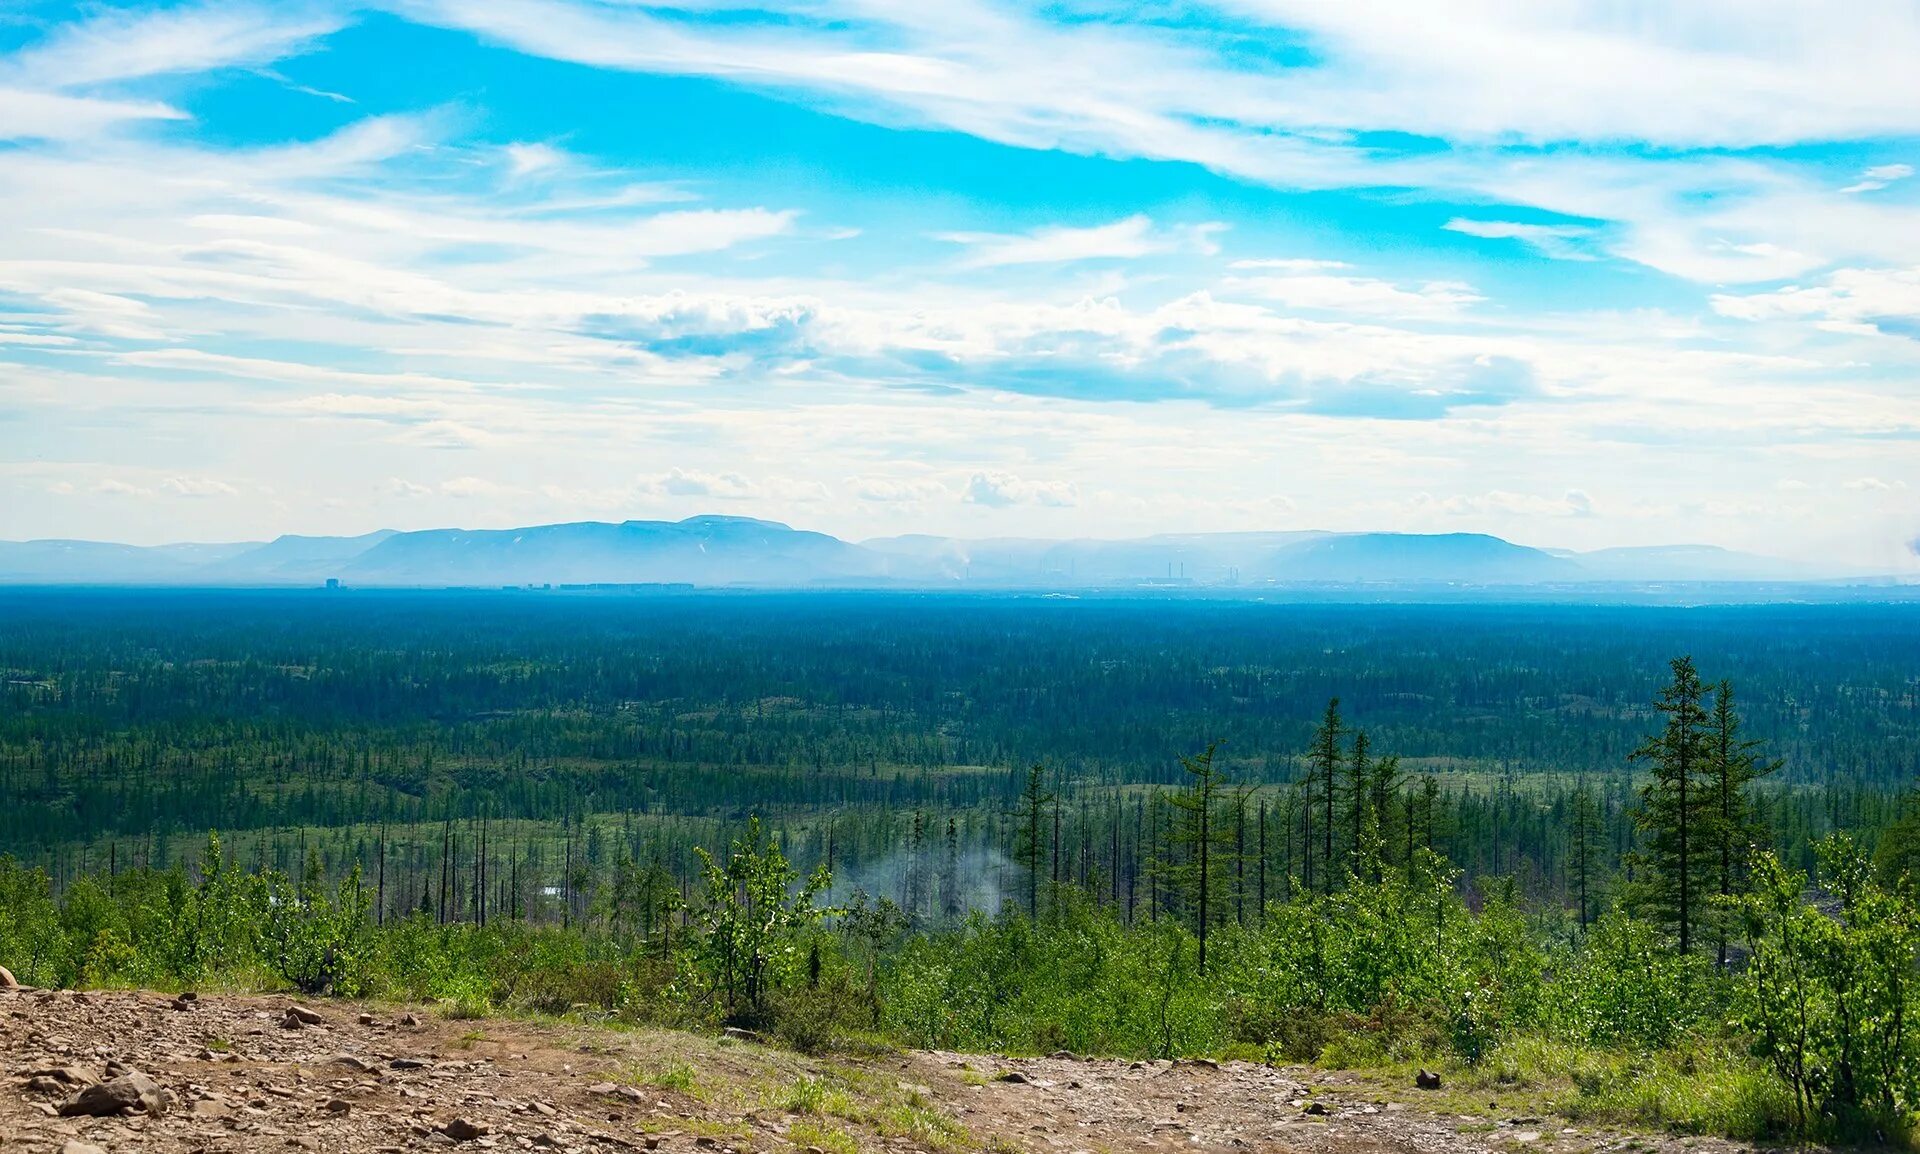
pixel 130 1093
pixel 300 1015
pixel 461 1130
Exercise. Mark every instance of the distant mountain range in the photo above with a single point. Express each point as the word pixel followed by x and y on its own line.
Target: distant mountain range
pixel 741 551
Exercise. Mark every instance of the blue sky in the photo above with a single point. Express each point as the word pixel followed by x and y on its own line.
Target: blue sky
pixel 1580 274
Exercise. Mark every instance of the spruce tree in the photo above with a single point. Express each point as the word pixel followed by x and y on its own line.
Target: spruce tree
pixel 1359 780
pixel 1323 765
pixel 1203 870
pixel 1676 807
pixel 1034 800
pixel 1584 860
pixel 1733 764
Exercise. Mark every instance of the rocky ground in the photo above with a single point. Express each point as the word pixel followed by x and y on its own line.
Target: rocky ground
pixel 232 1073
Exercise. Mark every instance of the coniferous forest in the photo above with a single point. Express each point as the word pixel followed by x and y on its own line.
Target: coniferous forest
pixel 1666 852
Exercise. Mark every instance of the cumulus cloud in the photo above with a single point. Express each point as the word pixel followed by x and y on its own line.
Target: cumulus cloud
pixel 1000 490
pixel 1856 300
pixel 720 486
pixel 114 487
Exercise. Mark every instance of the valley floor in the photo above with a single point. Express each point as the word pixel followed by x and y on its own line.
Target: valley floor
pixel 235 1075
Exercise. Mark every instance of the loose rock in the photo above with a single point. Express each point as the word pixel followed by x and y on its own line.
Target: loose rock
pixel 1427 1080
pixel 130 1093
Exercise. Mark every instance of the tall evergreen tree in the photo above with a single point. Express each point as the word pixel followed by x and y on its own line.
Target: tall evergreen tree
pixel 1359 794
pixel 1676 807
pixel 1733 764
pixel 1583 859
pixel 1201 835
pixel 1323 766
pixel 1034 800
pixel 952 901
pixel 1384 783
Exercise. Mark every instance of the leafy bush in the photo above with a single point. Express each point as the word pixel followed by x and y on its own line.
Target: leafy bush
pixel 1830 1000
pixel 319 941
pixel 1626 986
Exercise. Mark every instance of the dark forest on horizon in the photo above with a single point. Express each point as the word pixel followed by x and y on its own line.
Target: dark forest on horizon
pixel 580 729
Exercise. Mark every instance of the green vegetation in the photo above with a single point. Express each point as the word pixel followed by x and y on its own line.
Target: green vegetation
pixel 777 814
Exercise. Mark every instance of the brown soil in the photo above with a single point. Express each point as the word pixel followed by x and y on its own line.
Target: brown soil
pixel 238 1078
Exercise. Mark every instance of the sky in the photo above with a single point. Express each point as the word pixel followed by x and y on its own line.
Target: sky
pixel 1580 273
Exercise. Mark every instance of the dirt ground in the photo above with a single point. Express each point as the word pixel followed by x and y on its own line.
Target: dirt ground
pixel 233 1074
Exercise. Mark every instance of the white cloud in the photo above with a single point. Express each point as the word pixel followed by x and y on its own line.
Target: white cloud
pixel 116 46
pixel 1484 78
pixel 1501 503
pixel 529 158
pixel 184 486
pixel 320 312
pixel 1000 490
pixel 29 114
pixel 1360 295
pixel 720 486
pixel 1290 264
pixel 887 490
pixel 1560 241
pixel 1128 239
pixel 476 489
pixel 1729 74
pixel 114 487
pixel 1879 176
pixel 1847 300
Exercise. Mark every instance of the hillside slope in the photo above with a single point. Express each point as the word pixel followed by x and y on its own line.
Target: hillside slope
pixel 370 1079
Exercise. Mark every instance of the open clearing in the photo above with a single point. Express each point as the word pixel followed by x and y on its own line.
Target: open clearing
pixel 234 1074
